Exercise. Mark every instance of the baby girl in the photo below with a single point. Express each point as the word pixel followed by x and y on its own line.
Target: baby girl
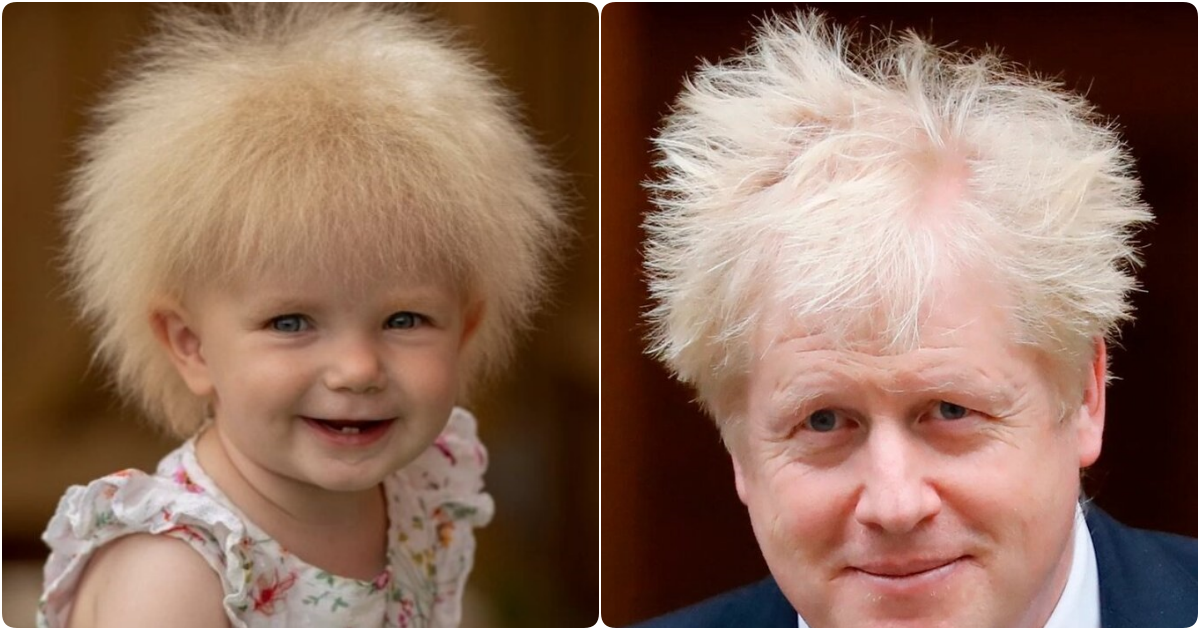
pixel 302 234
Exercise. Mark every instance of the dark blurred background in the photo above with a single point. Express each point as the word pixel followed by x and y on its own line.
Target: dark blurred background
pixel 537 562
pixel 674 531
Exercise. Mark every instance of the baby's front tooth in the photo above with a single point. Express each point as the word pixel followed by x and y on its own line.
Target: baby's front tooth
pixel 350 430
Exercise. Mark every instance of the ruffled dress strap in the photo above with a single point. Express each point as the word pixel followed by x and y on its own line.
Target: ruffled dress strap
pixel 435 504
pixel 133 502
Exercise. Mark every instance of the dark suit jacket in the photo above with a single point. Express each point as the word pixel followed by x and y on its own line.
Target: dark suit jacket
pixel 1147 579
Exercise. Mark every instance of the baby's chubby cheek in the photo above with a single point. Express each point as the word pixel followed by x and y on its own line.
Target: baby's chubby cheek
pixel 434 390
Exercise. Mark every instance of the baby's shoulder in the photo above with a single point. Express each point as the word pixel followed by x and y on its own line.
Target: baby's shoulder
pixel 132 502
pixel 133 522
pixel 143 580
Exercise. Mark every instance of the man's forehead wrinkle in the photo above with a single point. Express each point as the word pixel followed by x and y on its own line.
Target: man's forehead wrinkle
pixel 930 335
pixel 991 384
pixel 802 375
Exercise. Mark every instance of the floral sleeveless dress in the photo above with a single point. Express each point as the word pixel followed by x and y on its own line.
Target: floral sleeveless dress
pixel 434 504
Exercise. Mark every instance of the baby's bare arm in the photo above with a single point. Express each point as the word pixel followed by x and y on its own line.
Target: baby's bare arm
pixel 142 581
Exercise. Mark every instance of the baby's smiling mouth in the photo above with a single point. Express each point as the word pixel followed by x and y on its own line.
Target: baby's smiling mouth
pixel 350 427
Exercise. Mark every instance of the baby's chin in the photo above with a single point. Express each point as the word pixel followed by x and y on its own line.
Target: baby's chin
pixel 350 478
pixel 350 486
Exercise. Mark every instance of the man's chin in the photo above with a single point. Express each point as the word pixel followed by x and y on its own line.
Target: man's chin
pixel 884 617
pixel 941 608
pixel 908 623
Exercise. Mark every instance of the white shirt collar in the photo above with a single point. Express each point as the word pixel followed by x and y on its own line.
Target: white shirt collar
pixel 1079 605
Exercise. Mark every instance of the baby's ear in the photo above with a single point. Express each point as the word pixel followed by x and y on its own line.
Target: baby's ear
pixel 471 320
pixel 174 329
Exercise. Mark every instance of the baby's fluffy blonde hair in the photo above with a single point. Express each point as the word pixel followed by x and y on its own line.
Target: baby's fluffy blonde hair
pixel 799 176
pixel 352 138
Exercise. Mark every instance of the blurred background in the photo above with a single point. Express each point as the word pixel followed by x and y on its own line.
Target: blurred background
pixel 536 564
pixel 674 531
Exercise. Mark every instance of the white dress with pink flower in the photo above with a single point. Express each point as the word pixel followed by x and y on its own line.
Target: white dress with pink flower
pixel 434 504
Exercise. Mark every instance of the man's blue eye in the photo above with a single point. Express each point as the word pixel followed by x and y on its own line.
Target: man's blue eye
pixel 404 319
pixel 289 323
pixel 951 411
pixel 823 421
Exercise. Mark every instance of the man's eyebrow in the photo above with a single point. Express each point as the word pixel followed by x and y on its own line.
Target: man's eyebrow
pixel 789 399
pixel 798 392
pixel 970 380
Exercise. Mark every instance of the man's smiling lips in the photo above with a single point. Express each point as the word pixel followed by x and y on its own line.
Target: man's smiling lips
pixel 907 576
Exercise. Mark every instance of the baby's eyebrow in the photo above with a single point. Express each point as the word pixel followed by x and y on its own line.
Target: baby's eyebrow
pixel 276 305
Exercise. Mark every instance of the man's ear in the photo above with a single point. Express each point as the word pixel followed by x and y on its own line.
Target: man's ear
pixel 175 331
pixel 733 440
pixel 1090 421
pixel 739 480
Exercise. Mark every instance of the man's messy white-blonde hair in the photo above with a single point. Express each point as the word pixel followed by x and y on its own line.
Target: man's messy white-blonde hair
pixel 356 139
pixel 798 176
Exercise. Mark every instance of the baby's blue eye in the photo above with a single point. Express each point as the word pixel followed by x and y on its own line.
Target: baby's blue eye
pixel 404 319
pixel 289 323
pixel 823 420
pixel 951 411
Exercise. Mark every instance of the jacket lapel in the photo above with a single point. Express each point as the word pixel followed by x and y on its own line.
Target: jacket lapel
pixel 1147 579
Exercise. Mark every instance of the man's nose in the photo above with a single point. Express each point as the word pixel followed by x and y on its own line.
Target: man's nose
pixel 355 366
pixel 896 494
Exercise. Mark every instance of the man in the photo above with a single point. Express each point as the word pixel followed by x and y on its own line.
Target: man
pixel 891 273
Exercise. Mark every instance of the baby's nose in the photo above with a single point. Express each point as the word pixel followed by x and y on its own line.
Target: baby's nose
pixel 356 367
